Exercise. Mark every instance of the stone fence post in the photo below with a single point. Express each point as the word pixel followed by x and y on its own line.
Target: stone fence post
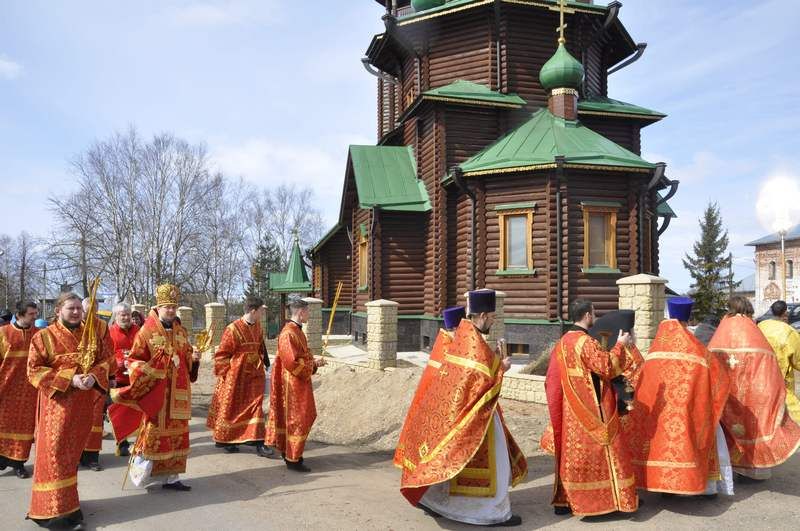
pixel 498 329
pixel 185 315
pixel 646 294
pixel 313 328
pixel 215 317
pixel 382 334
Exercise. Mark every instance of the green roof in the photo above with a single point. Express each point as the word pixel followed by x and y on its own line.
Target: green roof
pixel 386 177
pixel 601 105
pixel 328 235
pixel 536 144
pixel 296 277
pixel 473 93
pixel 460 5
pixel 275 279
pixel 663 209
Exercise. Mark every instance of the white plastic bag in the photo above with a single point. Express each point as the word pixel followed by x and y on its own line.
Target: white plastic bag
pixel 140 470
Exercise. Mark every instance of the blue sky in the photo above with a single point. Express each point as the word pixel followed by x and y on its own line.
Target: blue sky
pixel 276 90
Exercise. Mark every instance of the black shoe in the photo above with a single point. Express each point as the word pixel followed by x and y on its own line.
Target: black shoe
pixel 123 449
pixel 80 526
pixel 94 466
pixel 709 496
pixel 176 486
pixel 562 511
pixel 232 449
pixel 266 451
pixel 430 512
pixel 297 467
pixel 21 472
pixel 75 521
pixel 514 521
pixel 3 462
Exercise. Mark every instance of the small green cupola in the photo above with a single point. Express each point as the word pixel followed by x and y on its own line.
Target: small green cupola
pixel 561 71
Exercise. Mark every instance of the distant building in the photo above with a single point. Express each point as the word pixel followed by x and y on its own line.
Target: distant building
pixel 768 285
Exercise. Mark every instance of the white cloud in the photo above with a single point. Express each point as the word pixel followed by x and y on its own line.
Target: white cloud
pixel 267 162
pixel 215 13
pixel 9 69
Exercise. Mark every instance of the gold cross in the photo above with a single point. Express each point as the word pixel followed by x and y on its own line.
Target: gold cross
pixel 562 5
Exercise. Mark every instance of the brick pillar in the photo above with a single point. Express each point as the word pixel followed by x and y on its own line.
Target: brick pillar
pixel 141 308
pixel 185 315
pixel 646 294
pixel 498 329
pixel 313 328
pixel 382 334
pixel 215 316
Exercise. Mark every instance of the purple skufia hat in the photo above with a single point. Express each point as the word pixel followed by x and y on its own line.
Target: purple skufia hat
pixel 680 308
pixel 452 317
pixel 481 301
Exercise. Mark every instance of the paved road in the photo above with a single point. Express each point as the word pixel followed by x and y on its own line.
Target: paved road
pixel 350 490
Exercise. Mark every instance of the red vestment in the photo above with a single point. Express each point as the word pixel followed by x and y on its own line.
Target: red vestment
pixel 159 398
pixel 123 342
pixel 448 435
pixel 236 414
pixel 757 425
pixel 292 411
pixel 671 431
pixel 65 416
pixel 593 469
pixel 17 395
pixel 440 347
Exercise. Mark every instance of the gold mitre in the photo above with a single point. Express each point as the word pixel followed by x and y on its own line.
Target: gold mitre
pixel 167 294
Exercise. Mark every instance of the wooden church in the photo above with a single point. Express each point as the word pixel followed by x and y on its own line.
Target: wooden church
pixel 501 162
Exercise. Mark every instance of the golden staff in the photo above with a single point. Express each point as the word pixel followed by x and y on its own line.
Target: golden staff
pixel 87 348
pixel 333 314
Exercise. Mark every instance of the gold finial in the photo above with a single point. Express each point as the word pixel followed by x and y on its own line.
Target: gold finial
pixel 562 5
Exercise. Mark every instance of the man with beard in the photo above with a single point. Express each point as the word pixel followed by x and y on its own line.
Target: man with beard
pixel 17 395
pixel 593 470
pixel 159 398
pixel 67 396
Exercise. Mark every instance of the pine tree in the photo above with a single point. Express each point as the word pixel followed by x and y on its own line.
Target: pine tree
pixel 711 265
pixel 267 259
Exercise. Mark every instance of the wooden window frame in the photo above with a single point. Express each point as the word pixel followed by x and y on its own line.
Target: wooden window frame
pixel 611 210
pixel 514 210
pixel 363 263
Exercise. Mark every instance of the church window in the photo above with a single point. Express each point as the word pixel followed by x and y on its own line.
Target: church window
pixel 789 269
pixel 599 235
pixel 515 222
pixel 363 262
pixel 772 270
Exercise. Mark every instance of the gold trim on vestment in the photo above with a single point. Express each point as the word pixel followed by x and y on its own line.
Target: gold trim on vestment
pixel 744 350
pixel 97 429
pixel 676 356
pixel 55 485
pixel 16 436
pixel 165 455
pixel 15 354
pixel 665 464
pixel 469 364
pixel 435 364
pixel 301 364
pixel 479 473
pixel 596 485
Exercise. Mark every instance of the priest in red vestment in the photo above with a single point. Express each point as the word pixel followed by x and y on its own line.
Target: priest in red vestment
pixel 17 395
pixel 672 429
pixel 236 415
pixel 123 331
pixel 291 401
pixel 459 459
pixel 158 401
pixel 67 394
pixel 593 470
pixel 451 318
pixel 760 432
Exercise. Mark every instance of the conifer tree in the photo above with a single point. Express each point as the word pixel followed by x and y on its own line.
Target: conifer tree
pixel 710 266
pixel 267 259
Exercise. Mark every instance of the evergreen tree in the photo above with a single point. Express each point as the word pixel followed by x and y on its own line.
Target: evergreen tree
pixel 267 259
pixel 711 266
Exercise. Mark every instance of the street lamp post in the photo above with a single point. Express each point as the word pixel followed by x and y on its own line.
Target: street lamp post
pixel 783 264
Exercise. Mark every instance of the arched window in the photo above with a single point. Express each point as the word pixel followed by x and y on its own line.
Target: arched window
pixel 789 269
pixel 772 270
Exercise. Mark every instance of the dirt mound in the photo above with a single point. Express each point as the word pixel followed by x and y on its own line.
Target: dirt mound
pixel 367 409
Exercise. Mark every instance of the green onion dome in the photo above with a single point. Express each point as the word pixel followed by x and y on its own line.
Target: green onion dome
pixel 561 71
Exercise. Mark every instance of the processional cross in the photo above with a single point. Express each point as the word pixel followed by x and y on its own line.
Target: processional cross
pixel 562 5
